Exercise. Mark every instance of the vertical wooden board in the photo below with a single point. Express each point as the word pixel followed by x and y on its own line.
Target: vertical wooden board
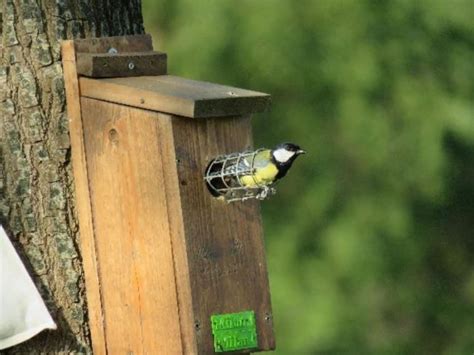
pixel 82 197
pixel 132 230
pixel 224 242
pixel 180 256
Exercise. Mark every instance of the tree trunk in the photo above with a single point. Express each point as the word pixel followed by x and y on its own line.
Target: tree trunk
pixel 36 184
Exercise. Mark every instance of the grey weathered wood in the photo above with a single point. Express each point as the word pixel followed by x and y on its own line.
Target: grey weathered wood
pixel 107 65
pixel 136 43
pixel 175 95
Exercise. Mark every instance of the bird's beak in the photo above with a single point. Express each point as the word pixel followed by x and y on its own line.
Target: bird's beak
pixel 300 151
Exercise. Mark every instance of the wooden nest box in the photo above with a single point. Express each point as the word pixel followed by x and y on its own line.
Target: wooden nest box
pixel 169 269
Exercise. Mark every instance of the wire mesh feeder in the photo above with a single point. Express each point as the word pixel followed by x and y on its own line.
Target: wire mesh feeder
pixel 224 177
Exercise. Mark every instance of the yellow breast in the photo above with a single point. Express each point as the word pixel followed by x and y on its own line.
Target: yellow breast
pixel 262 176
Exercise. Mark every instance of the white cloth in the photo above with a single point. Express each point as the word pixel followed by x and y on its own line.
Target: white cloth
pixel 23 313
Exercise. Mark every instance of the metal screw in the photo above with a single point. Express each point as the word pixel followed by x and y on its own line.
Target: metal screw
pixel 112 50
pixel 231 93
pixel 131 66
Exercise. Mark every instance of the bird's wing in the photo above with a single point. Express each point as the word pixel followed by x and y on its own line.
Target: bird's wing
pixel 263 172
pixel 248 164
pixel 262 159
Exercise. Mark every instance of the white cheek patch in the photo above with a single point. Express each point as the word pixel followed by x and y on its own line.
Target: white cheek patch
pixel 282 155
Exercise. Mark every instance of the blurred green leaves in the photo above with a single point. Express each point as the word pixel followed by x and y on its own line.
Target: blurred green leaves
pixel 370 237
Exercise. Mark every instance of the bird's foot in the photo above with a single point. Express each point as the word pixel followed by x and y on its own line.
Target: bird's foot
pixel 266 191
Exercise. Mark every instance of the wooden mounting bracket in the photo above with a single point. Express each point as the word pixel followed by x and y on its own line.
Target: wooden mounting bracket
pixel 119 57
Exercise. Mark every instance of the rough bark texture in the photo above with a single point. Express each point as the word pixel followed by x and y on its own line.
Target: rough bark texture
pixel 36 186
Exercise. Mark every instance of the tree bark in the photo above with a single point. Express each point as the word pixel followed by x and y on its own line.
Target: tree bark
pixel 36 181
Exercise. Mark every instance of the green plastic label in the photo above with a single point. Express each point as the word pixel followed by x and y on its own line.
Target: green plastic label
pixel 234 331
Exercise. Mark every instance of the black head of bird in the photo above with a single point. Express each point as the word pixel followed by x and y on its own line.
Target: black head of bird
pixel 284 155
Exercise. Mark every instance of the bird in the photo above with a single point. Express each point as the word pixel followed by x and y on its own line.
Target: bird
pixel 258 169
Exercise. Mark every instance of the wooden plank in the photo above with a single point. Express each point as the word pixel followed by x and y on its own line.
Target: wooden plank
pixel 135 43
pixel 225 248
pixel 178 96
pixel 82 199
pixel 106 65
pixel 180 256
pixel 132 229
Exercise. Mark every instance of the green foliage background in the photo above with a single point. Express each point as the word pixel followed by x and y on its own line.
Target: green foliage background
pixel 370 238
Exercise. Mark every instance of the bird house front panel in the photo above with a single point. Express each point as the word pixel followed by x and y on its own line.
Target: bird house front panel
pixel 225 248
